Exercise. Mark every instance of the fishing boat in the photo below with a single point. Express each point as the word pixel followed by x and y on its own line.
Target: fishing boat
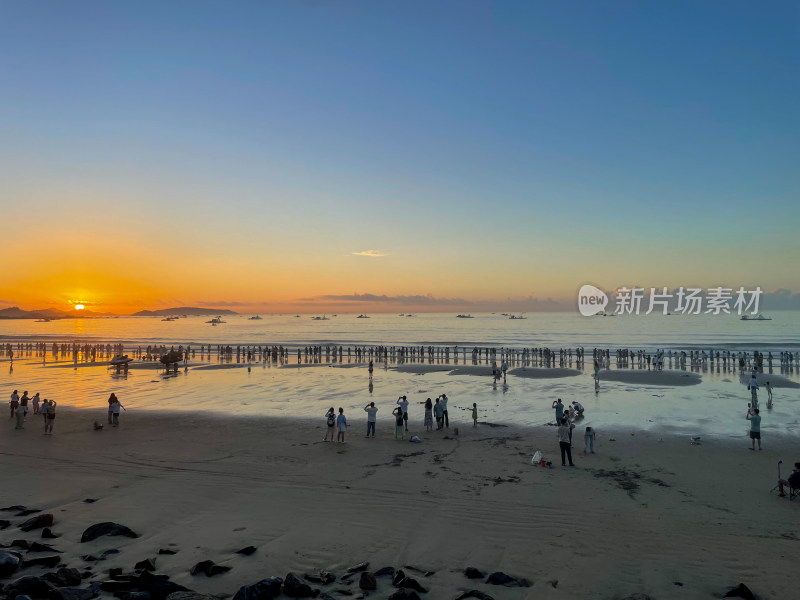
pixel 45 320
pixel 362 317
pixel 254 318
pixel 515 317
pixel 172 357
pixel 216 320
pixel 464 317
pixel 758 317
pixel 322 318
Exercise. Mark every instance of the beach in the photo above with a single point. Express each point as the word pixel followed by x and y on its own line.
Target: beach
pixel 647 513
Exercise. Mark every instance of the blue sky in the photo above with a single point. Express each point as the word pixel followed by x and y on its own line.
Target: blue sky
pixel 442 133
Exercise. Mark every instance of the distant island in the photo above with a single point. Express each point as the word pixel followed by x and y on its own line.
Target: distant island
pixel 184 310
pixel 15 312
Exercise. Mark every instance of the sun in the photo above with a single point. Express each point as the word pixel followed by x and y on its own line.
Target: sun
pixel 79 307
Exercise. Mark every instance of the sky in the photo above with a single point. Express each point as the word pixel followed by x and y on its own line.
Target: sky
pixel 282 156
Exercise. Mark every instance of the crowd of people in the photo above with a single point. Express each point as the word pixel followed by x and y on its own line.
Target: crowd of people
pixel 20 407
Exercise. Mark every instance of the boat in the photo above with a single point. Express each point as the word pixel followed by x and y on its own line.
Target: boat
pixel 171 358
pixel 758 317
pixel 45 320
pixel 322 318
pixel 170 319
pixel 409 315
pixel 297 316
pixel 362 317
pixel 464 317
pixel 120 360
pixel 402 315
pixel 254 318
pixel 515 317
pixel 215 320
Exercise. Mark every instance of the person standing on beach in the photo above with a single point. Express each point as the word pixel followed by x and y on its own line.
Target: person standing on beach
pixel 564 435
pixel 399 432
pixel 404 407
pixel 755 427
pixel 769 394
pixel 14 403
pixel 35 403
pixel 445 415
pixel 371 367
pixel 428 415
pixel 474 414
pixel 371 418
pixel 111 399
pixel 115 406
pixel 588 440
pixel 330 418
pixel 437 411
pixel 753 387
pixel 23 402
pixel 49 410
pixel 559 410
pixel 504 368
pixel 19 413
pixel 341 425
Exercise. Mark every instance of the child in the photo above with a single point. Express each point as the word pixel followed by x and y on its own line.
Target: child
pixel 438 412
pixel 49 411
pixel 330 417
pixel 341 422
pixel 588 440
pixel 115 406
pixel 474 414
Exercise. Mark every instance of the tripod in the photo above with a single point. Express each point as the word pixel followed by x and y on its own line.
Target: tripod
pixel 777 487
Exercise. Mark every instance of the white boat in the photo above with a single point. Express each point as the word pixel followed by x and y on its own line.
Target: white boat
pixel 758 317
pixel 215 320
pixel 45 320
pixel 515 317
pixel 464 317
pixel 120 360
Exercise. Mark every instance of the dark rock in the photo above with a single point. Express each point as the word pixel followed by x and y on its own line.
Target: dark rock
pixel 115 572
pixel 105 528
pixel 322 577
pixel 64 577
pixel 37 547
pixel 473 573
pixel 295 588
pixel 19 544
pixel 37 522
pixel 266 589
pixel 384 572
pixel 137 596
pixel 90 558
pixel 23 597
pixel 9 563
pixel 27 512
pixel 247 550
pixel 405 594
pixel 500 578
pixel 72 594
pixel 42 561
pixel 423 572
pixel 147 564
pixel 117 585
pixel 208 568
pixel 106 553
pixel 49 535
pixel 358 568
pixel 399 575
pixel 15 508
pixel 474 594
pixel 637 596
pixel 35 587
pixel 189 596
pixel 412 584
pixel 367 581
pixel 90 500
pixel 740 591
pixel 4 523
pixel 167 551
pixel 159 586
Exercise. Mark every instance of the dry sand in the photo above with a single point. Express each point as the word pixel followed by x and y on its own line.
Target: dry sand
pixel 642 515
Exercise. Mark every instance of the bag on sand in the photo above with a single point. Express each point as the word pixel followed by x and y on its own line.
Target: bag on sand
pixel 537 457
pixel 415 439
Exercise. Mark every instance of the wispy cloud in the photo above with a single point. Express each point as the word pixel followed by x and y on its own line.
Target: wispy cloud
pixel 370 253
pixel 223 303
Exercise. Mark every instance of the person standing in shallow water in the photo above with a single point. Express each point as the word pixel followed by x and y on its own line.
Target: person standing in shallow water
pixel 341 425
pixel 371 368
pixel 474 414
pixel 559 410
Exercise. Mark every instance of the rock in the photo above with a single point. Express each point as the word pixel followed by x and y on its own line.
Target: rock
pixel 473 573
pixel 159 586
pixel 69 577
pixel 90 500
pixel 637 596
pixel 367 581
pixel 20 544
pixel 412 584
pixel 48 534
pixel 117 585
pixel 90 558
pixel 37 522
pixel 15 508
pixel 42 561
pixel 9 563
pixel 27 511
pixel 423 572
pixel 399 575
pixel 358 568
pixel 146 565
pixel 295 588
pixel 500 578
pixel 167 551
pixel 266 589
pixel 67 593
pixel 247 550
pixel 474 594
pixel 23 597
pixel 138 595
pixel 740 591
pixel 35 587
pixel 37 547
pixel 322 577
pixel 4 523
pixel 384 572
pixel 190 596
pixel 405 594
pixel 208 568
pixel 106 553
pixel 105 528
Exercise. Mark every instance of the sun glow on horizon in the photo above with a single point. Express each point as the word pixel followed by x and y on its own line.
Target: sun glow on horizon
pixel 79 307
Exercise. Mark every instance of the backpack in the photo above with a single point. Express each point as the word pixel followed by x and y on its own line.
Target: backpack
pixel 331 420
